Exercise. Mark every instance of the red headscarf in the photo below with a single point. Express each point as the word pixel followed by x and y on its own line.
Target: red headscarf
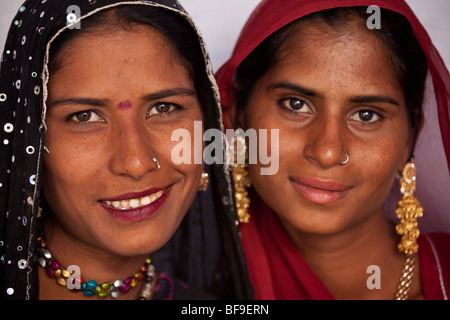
pixel 272 15
pixel 293 278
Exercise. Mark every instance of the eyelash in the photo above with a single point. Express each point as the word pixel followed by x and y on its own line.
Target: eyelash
pixel 289 108
pixel 373 114
pixel 173 107
pixel 72 117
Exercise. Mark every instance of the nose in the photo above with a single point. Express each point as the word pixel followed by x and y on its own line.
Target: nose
pixel 133 154
pixel 326 141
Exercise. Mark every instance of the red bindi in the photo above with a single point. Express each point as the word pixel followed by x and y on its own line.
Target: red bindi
pixel 125 105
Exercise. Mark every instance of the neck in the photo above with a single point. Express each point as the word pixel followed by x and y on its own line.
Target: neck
pixel 342 260
pixel 93 262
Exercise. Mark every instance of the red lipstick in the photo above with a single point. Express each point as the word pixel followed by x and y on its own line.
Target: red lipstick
pixel 140 213
pixel 134 195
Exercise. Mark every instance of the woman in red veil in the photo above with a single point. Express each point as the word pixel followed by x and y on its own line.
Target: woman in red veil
pixel 359 206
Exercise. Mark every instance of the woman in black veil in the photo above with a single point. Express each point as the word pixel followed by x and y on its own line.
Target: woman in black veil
pixel 204 251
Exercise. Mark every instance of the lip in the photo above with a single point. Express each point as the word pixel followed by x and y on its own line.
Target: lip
pixel 141 213
pixel 133 195
pixel 319 191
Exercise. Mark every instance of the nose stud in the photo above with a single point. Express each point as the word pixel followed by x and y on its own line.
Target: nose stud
pixel 346 159
pixel 156 161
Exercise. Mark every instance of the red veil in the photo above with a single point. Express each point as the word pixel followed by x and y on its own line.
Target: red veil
pixel 432 158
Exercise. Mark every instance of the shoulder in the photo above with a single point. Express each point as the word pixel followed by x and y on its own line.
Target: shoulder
pixel 434 256
pixel 168 288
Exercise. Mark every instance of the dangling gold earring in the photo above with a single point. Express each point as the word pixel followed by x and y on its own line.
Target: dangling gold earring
pixel 241 177
pixel 204 181
pixel 408 210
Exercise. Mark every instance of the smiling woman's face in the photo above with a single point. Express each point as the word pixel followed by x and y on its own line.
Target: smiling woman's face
pixel 113 104
pixel 330 94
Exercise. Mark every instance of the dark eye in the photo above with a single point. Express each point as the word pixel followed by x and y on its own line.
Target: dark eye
pixel 365 116
pixel 86 116
pixel 295 105
pixel 161 109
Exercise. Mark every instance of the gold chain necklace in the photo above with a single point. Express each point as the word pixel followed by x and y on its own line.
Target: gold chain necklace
pixel 404 285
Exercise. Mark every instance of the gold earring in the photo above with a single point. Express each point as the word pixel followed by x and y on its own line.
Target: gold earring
pixel 241 177
pixel 408 210
pixel 204 181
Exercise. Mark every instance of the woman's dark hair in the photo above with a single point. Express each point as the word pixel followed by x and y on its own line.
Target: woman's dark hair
pixel 405 54
pixel 175 28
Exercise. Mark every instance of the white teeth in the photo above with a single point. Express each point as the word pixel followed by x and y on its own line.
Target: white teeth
pixel 135 203
pixel 116 204
pixel 145 201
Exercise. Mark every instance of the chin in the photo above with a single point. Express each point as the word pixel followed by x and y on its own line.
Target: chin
pixel 141 247
pixel 313 221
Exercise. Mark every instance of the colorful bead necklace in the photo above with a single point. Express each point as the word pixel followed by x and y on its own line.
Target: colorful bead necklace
pixel 91 288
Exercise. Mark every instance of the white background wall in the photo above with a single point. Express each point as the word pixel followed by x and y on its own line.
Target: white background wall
pixel 221 21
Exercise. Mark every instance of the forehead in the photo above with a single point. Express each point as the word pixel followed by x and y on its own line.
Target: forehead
pixel 351 53
pixel 305 36
pixel 140 56
pixel 136 42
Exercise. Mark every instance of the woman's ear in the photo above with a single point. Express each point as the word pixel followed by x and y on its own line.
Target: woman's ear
pixel 235 117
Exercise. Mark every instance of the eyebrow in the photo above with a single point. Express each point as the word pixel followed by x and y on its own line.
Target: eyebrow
pixel 104 102
pixel 168 93
pixel 374 99
pixel 294 87
pixel 356 99
pixel 80 101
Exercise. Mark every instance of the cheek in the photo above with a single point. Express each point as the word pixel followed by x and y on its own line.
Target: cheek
pixel 192 170
pixel 377 163
pixel 71 164
pixel 186 188
pixel 279 139
pixel 280 157
pixel 182 146
pixel 256 117
pixel 193 174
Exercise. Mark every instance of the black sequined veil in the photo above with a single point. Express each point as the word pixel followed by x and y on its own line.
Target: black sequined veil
pixel 205 251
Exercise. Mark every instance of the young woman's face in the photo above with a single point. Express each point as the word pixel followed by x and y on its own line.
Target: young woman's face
pixel 113 104
pixel 330 95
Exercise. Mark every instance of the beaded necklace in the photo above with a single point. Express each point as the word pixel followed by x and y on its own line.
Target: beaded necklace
pixel 91 288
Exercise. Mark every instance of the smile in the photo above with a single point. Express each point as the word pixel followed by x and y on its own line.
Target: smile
pixel 127 204
pixel 136 206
